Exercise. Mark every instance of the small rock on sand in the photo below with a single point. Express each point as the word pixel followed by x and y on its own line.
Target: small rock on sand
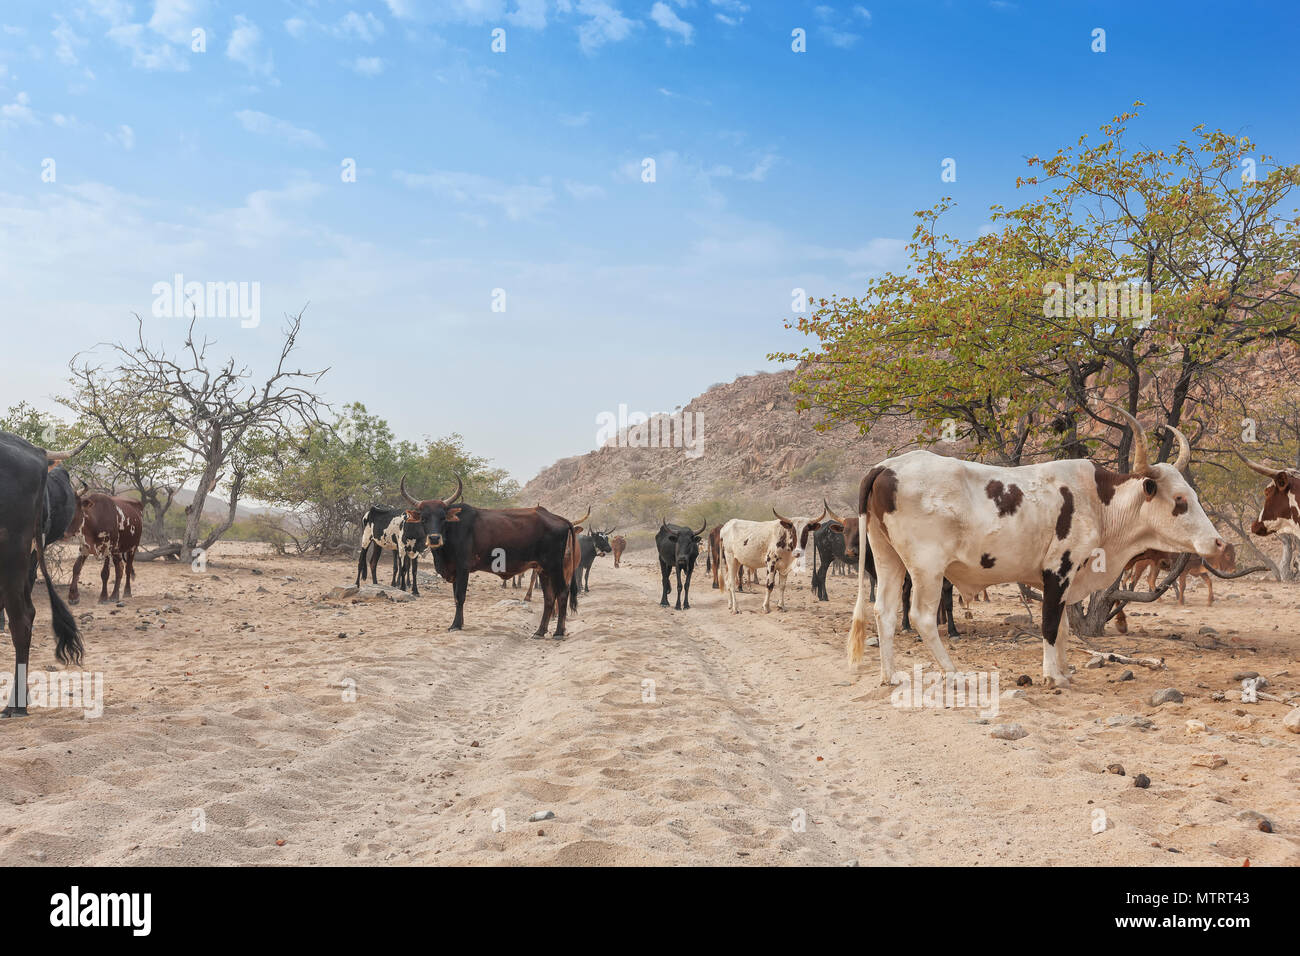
pixel 1141 781
pixel 541 815
pixel 1209 760
pixel 1292 721
pixel 1008 732
pixel 1117 768
pixel 1166 696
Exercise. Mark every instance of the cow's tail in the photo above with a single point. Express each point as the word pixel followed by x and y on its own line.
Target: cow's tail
pixel 573 552
pixel 67 639
pixel 858 630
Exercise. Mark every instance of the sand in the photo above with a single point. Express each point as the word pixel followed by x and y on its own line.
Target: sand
pixel 229 734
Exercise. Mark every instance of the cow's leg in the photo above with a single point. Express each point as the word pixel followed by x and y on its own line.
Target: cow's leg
pixel 119 567
pixel 771 583
pixel 459 589
pixel 1055 630
pixel 74 596
pixel 562 596
pixel 678 605
pixel 415 576
pixel 396 565
pixel 548 605
pixel 927 596
pixel 103 577
pixel 666 573
pixel 889 598
pixel 1209 586
pixel 130 572
pixel 784 576
pixel 686 598
pixel 375 550
pixel 946 605
pixel 532 581
pixel 734 570
pixel 17 601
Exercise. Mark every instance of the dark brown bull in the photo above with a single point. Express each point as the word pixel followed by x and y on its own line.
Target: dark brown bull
pixel 110 528
pixel 504 542
pixel 618 544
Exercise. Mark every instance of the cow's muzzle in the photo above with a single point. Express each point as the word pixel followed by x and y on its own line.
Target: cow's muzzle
pixel 435 541
pixel 1259 529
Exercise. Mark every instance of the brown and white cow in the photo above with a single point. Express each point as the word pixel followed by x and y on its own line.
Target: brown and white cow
pixel 1068 527
pixel 618 544
pixel 110 528
pixel 772 545
pixel 1281 509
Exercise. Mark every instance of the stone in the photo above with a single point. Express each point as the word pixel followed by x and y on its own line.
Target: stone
pixel 1292 721
pixel 541 815
pixel 1141 781
pixel 1166 696
pixel 1212 761
pixel 1008 732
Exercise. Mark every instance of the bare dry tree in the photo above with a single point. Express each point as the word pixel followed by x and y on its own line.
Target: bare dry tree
pixel 218 414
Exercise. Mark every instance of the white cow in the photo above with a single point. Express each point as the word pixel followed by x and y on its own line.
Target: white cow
pixel 774 545
pixel 1068 527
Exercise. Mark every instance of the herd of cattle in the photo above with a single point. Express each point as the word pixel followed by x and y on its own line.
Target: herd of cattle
pixel 925 524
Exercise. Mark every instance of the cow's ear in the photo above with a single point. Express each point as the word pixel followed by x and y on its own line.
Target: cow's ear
pixel 453 514
pixel 413 516
pixel 814 525
pixel 1282 480
pixel 1149 487
pixel 837 527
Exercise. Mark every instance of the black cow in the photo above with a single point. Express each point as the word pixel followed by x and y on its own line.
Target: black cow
pixel 678 548
pixel 851 545
pixel 60 515
pixel 505 541
pixel 828 546
pixel 592 544
pixel 23 513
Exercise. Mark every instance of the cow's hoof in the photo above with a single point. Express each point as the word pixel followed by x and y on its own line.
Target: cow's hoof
pixel 13 712
pixel 559 637
pixel 538 634
pixel 74 601
pixel 1058 682
pixel 455 627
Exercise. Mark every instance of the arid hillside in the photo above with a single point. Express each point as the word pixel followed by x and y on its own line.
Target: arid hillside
pixel 756 448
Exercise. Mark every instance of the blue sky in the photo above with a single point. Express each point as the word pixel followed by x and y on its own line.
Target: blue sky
pixel 521 171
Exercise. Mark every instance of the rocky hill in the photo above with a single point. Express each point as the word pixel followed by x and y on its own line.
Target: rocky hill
pixel 757 451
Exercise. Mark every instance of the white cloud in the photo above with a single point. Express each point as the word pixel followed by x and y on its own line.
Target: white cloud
pixel 515 201
pixel 367 28
pixel 583 190
pixel 670 22
pixel 367 65
pixel 605 24
pixel 176 19
pixel 246 47
pixel 69 42
pixel 18 112
pixel 530 14
pixel 124 137
pixel 296 27
pixel 266 125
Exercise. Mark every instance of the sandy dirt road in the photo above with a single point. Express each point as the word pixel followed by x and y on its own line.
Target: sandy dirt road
pixel 653 735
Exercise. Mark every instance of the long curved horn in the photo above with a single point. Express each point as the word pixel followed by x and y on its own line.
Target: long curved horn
pixel 583 518
pixel 1184 449
pixel 1141 464
pixel 85 488
pixel 52 456
pixel 834 516
pixel 1262 469
pixel 781 517
pixel 406 494
pixel 460 486
pixel 818 519
pixel 702 527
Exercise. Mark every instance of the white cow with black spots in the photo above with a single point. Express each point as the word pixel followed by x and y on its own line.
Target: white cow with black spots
pixel 1068 527
pixel 770 545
